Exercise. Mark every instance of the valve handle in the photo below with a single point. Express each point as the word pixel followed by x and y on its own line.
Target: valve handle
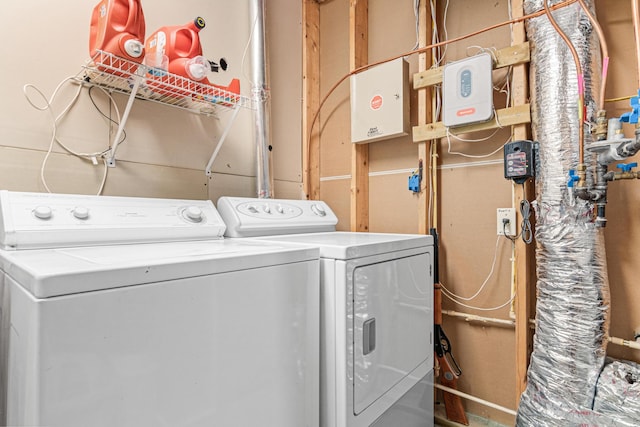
pixel 633 115
pixel 627 167
pixel 573 177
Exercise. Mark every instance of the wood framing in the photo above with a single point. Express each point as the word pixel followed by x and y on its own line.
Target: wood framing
pixel 311 99
pixel 525 254
pixel 512 55
pixel 424 117
pixel 504 117
pixel 358 56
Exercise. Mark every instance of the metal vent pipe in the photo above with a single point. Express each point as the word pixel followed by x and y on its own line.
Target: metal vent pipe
pixel 261 99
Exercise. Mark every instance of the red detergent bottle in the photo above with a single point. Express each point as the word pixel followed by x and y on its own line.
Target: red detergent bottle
pixel 177 49
pixel 118 28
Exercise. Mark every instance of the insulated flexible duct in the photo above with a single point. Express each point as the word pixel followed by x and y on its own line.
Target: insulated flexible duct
pixel 573 289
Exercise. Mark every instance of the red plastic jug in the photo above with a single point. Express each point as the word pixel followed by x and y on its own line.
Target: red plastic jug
pixel 118 27
pixel 180 44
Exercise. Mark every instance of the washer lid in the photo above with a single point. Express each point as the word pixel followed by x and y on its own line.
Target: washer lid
pixel 53 272
pixel 349 245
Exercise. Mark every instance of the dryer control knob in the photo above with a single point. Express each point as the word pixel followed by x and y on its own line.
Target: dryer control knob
pixel 193 214
pixel 43 212
pixel 80 212
pixel 318 210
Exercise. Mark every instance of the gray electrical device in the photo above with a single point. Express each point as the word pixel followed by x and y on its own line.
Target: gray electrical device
pixel 467 88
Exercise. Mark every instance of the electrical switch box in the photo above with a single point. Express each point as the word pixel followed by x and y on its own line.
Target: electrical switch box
pixel 380 102
pixel 467 88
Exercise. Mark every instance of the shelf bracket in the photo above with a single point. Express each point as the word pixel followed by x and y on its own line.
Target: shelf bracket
pixel 236 109
pixel 137 80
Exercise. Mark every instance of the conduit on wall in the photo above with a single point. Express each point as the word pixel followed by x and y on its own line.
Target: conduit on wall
pixel 572 317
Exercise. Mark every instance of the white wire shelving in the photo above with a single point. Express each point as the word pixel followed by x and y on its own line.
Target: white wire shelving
pixel 143 82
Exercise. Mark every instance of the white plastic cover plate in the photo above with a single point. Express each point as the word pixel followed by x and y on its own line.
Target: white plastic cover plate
pixel 467 91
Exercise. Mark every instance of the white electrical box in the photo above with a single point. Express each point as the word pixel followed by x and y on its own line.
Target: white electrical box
pixel 467 88
pixel 380 102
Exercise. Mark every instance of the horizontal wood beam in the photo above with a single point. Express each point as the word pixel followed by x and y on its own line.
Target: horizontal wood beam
pixel 512 55
pixel 505 117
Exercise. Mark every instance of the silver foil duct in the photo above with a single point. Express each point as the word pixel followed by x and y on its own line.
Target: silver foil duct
pixel 572 289
pixel 618 392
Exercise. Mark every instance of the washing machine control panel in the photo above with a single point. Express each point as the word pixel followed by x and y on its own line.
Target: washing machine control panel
pixel 40 220
pixel 248 217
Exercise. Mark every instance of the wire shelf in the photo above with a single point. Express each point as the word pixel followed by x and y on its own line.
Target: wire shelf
pixel 120 75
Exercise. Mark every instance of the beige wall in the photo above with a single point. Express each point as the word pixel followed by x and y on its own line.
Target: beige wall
pixel 166 149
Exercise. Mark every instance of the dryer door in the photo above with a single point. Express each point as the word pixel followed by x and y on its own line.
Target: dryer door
pixel 392 325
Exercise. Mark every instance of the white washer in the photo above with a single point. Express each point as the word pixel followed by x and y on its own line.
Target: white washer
pixel 134 312
pixel 376 308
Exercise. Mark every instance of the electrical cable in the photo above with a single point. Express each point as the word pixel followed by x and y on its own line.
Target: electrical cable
pixel 108 118
pixel 418 51
pixel 246 48
pixel 526 231
pixel 474 156
pixel 93 157
pixel 475 295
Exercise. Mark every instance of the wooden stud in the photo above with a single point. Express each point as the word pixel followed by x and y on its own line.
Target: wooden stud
pixel 512 55
pixel 358 47
pixel 311 99
pixel 424 117
pixel 504 117
pixel 524 254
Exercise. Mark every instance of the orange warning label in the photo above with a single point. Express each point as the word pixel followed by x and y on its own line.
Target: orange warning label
pixel 465 112
pixel 376 102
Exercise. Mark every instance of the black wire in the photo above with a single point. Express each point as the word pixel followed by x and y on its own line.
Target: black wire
pixel 525 226
pixel 525 211
pixel 124 132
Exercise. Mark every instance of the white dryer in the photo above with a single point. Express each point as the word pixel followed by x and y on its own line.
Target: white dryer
pixel 376 308
pixel 134 312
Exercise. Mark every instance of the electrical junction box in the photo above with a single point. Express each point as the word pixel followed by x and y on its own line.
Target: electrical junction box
pixel 467 87
pixel 380 102
pixel 520 160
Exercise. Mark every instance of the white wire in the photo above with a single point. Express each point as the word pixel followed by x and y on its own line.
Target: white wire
pixel 416 12
pixel 246 48
pixel 493 265
pixel 474 156
pixel 481 308
pixel 56 120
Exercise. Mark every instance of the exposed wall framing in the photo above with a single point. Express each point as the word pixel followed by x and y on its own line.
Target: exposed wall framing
pixel 525 261
pixel 358 56
pixel 311 98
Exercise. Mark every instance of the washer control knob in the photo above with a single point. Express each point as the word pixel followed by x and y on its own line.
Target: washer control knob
pixel 43 212
pixel 193 214
pixel 318 210
pixel 266 208
pixel 252 209
pixel 80 212
pixel 280 209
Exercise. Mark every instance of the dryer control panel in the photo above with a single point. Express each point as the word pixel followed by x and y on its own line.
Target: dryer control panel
pixel 249 217
pixel 41 220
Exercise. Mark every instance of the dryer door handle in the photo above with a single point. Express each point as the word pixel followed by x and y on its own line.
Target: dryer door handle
pixel 369 336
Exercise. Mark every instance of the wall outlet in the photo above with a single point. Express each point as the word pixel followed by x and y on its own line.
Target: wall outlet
pixel 506 222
